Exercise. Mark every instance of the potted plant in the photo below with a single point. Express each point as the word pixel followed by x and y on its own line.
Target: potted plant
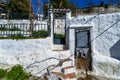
pixel 59 38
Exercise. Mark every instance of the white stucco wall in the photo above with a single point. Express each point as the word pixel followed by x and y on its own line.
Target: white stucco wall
pixel 105 41
pixel 101 23
pixel 30 51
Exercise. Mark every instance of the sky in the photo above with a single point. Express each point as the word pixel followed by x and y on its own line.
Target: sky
pixel 86 3
pixel 79 3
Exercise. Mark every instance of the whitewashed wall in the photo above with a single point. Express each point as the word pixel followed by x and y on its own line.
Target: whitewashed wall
pixel 30 51
pixel 106 47
pixel 101 23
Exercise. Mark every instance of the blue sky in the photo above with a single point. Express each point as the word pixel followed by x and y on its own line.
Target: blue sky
pixel 80 3
pixel 35 4
pixel 86 3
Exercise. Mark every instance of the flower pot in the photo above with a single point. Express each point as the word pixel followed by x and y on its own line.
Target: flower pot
pixel 59 41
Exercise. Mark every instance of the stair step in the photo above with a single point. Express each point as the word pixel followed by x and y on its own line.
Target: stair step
pixel 70 76
pixel 57 69
pixel 68 69
pixel 67 59
pixel 66 62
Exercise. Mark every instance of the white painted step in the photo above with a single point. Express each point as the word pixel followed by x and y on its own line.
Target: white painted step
pixel 57 69
pixel 66 62
pixel 68 69
pixel 70 76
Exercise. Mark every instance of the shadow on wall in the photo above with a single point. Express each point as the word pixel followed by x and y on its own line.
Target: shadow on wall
pixel 115 50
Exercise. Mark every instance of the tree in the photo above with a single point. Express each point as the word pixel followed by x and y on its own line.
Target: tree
pixel 72 6
pixel 60 3
pixel 45 9
pixel 24 7
pixel 31 15
pixel 19 6
pixel 19 9
pixel 4 5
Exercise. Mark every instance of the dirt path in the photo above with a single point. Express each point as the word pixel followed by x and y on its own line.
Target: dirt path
pixel 95 78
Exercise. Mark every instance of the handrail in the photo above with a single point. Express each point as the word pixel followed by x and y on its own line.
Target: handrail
pixel 41 61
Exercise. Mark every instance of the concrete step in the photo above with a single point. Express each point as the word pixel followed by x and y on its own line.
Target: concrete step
pixel 68 69
pixel 66 62
pixel 70 76
pixel 57 69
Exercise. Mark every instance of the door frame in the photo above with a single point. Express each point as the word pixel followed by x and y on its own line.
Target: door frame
pixel 82 29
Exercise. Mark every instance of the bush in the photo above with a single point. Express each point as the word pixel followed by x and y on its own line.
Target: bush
pixel 59 36
pixel 17 73
pixel 16 36
pixel 2 73
pixel 3 29
pixel 40 34
pixel 15 29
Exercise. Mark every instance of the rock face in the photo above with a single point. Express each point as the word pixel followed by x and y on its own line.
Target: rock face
pixel 105 40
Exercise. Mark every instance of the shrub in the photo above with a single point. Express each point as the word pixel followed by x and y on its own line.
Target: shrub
pixel 16 36
pixel 3 29
pixel 17 73
pixel 14 29
pixel 2 73
pixel 40 34
pixel 59 36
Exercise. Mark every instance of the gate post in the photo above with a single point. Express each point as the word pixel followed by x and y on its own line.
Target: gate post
pixel 51 23
pixel 68 17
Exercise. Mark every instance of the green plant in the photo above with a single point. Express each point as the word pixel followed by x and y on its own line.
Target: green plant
pixel 59 36
pixel 17 73
pixel 2 73
pixel 14 29
pixel 40 34
pixel 3 29
pixel 16 36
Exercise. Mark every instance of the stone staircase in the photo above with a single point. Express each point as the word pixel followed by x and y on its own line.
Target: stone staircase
pixel 64 70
